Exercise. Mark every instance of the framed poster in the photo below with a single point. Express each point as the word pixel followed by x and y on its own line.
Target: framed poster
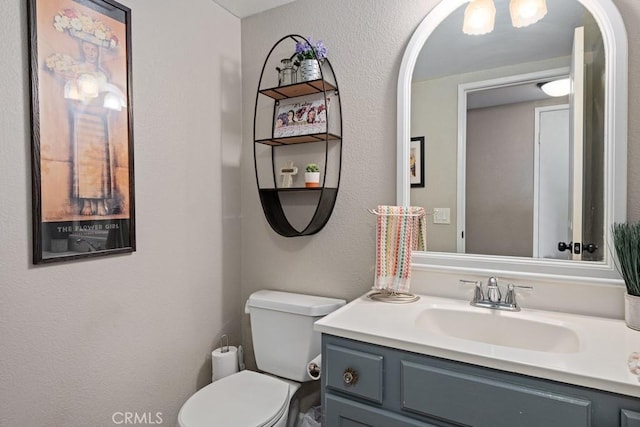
pixel 416 161
pixel 301 116
pixel 82 139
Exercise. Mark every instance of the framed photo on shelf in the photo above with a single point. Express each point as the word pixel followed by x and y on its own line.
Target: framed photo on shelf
pixel 82 139
pixel 301 116
pixel 416 161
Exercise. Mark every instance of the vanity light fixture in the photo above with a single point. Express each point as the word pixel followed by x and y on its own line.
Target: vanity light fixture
pixel 479 17
pixel 527 12
pixel 560 87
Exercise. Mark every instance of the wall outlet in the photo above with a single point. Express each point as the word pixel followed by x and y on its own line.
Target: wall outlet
pixel 441 215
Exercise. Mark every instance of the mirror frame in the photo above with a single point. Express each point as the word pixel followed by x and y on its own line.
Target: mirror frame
pixel 615 180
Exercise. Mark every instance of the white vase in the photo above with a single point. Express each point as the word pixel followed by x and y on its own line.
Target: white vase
pixel 312 179
pixel 632 311
pixel 309 70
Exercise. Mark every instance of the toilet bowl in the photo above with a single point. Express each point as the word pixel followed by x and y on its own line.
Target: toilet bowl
pixel 283 342
pixel 244 399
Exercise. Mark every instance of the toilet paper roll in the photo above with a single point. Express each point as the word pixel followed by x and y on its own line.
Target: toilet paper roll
pixel 314 367
pixel 224 363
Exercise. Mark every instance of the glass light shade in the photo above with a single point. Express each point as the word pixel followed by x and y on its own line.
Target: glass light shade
pixel 527 12
pixel 479 17
pixel 560 87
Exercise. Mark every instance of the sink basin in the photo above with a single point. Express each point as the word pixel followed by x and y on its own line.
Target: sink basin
pixel 499 328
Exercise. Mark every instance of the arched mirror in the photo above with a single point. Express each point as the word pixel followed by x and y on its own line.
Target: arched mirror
pixel 516 181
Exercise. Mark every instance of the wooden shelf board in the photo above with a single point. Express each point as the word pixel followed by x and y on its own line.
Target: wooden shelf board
pixel 294 189
pixel 297 89
pixel 299 139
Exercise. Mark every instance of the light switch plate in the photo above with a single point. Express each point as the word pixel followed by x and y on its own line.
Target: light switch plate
pixel 441 215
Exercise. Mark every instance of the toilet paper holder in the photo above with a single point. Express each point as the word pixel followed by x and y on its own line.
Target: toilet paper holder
pixel 224 348
pixel 314 370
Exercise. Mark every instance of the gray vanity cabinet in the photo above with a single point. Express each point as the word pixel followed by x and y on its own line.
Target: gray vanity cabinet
pixel 630 419
pixel 370 385
pixel 347 413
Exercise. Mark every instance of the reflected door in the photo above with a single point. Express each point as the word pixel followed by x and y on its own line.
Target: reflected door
pixel 551 182
pixel 576 143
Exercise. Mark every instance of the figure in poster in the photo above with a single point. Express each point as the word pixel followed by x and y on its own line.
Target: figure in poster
pixel 290 116
pixel 281 120
pixel 311 115
pixel 90 97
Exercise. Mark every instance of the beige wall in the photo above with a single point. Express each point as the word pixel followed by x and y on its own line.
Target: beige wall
pixel 499 178
pixel 500 168
pixel 366 40
pixel 630 11
pixel 434 115
pixel 82 340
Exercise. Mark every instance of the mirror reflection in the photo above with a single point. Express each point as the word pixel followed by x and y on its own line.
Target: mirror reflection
pixel 510 170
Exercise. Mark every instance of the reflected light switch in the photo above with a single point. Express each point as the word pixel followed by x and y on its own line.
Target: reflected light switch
pixel 441 216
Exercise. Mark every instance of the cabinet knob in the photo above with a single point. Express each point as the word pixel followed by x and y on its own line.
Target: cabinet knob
pixel 350 376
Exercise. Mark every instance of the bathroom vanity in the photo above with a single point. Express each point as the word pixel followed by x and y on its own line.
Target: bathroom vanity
pixel 384 365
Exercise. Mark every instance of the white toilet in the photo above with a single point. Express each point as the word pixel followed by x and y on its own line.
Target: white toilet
pixel 283 342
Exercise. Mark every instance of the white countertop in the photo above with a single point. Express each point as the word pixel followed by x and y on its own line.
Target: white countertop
pixel 601 361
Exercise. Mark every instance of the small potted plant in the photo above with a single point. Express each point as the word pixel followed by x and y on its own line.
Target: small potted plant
pixel 309 59
pixel 626 241
pixel 312 175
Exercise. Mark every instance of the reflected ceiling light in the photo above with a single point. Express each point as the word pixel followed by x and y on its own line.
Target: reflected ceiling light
pixel 479 17
pixel 527 12
pixel 560 87
pixel 88 86
pixel 71 91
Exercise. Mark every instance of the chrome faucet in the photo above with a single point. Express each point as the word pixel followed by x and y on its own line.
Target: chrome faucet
pixel 493 299
pixel 493 291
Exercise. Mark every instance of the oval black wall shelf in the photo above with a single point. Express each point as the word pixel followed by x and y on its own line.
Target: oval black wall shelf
pixel 271 196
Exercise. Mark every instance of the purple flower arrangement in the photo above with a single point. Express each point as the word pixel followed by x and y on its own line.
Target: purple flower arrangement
pixel 305 50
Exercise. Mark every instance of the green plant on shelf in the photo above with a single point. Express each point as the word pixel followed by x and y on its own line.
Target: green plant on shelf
pixel 312 167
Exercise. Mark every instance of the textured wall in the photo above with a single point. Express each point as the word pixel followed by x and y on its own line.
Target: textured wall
pixel 82 340
pixel 434 114
pixel 630 11
pixel 366 41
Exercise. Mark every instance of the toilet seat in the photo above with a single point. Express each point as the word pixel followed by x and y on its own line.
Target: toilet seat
pixel 246 398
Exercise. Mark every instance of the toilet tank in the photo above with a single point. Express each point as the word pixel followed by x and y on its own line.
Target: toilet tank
pixel 282 330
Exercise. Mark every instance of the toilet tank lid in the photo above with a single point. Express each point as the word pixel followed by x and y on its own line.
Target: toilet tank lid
pixel 306 305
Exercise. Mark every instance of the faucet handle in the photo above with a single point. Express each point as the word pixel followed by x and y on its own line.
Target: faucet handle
pixel 478 295
pixel 510 298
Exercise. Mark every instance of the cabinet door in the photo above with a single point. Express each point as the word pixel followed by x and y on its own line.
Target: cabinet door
pixel 368 366
pixel 629 418
pixel 475 400
pixel 340 412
